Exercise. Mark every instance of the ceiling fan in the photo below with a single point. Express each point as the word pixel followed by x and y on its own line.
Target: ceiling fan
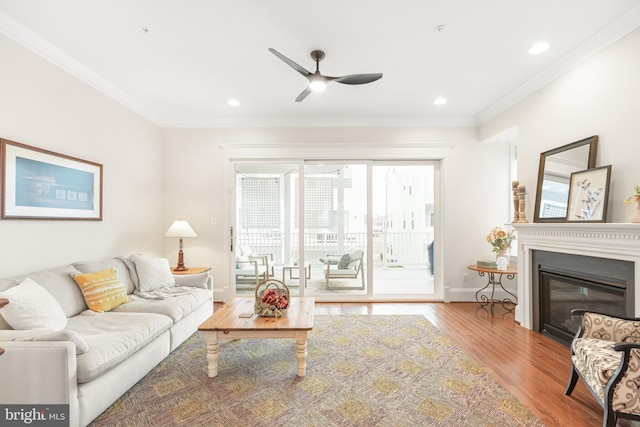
pixel 317 81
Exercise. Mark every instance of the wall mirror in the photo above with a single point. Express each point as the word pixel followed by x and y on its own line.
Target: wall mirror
pixel 554 175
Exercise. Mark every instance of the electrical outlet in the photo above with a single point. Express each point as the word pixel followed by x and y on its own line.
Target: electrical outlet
pixel 465 276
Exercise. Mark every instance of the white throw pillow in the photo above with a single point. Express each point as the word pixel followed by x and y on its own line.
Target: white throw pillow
pixel 153 273
pixel 32 307
pixel 199 280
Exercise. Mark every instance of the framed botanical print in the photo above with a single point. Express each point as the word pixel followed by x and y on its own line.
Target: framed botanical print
pixel 588 195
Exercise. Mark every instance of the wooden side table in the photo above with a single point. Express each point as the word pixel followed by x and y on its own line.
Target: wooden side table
pixel 507 303
pixel 190 270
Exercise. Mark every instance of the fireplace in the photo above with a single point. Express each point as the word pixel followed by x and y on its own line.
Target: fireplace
pixel 562 282
pixel 589 245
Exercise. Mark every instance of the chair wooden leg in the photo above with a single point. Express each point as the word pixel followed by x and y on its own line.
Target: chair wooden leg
pixel 573 380
pixel 326 274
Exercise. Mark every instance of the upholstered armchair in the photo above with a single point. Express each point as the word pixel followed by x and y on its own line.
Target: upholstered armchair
pixel 605 354
pixel 346 266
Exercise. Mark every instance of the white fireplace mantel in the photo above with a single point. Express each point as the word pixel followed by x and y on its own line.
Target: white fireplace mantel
pixel 603 240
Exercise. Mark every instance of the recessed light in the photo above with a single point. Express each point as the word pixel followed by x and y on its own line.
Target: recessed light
pixel 145 30
pixel 440 101
pixel 233 102
pixel 538 48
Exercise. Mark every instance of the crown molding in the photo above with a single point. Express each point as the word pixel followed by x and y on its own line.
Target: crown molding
pixel 613 32
pixel 292 122
pixel 23 35
pixel 28 38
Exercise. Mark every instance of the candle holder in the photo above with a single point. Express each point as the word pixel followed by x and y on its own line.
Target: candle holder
pixel 522 216
pixel 516 202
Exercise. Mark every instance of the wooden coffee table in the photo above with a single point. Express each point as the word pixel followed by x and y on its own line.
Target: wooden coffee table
pixel 227 323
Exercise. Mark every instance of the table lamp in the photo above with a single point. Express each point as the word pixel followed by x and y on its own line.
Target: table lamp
pixel 180 228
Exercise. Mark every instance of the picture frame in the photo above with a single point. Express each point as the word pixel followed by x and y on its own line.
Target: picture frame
pixel 588 195
pixel 42 184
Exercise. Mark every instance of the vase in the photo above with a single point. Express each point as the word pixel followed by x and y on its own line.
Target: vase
pixel 504 253
pixel 635 216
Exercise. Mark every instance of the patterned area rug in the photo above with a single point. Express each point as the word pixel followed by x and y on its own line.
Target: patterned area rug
pixel 361 371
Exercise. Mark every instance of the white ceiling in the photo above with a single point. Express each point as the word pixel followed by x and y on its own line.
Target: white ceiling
pixel 199 53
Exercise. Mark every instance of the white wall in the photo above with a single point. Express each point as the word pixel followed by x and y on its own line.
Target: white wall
pixel 477 186
pixel 600 96
pixel 43 106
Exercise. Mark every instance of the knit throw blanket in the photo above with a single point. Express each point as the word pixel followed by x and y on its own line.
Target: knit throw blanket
pixel 164 293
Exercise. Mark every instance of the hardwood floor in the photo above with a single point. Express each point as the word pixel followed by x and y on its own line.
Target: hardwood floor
pixel 533 367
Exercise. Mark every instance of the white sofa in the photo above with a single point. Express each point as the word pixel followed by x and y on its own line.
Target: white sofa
pixel 97 357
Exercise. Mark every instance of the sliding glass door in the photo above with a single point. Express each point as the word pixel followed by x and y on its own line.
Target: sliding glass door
pixel 335 227
pixel 264 235
pixel 351 230
pixel 403 228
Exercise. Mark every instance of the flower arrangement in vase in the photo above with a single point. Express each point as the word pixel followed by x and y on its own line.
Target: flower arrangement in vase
pixel 635 197
pixel 500 241
pixel 272 299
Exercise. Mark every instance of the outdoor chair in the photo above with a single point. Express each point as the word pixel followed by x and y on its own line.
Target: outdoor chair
pixel 605 354
pixel 250 270
pixel 346 266
pixel 265 260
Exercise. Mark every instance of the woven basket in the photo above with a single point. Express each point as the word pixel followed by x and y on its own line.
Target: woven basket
pixel 272 298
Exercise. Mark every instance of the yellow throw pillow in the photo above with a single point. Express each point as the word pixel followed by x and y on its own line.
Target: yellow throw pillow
pixel 102 290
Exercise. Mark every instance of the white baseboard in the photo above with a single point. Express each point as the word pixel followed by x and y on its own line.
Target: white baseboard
pixel 469 295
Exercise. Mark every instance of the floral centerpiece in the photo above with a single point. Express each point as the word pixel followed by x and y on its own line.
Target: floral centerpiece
pixel 500 240
pixel 272 299
pixel 634 197
pixel 635 217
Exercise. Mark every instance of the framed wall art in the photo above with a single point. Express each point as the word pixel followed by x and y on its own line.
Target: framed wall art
pixel 41 184
pixel 588 195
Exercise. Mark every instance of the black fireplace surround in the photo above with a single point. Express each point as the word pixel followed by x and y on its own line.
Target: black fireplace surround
pixel 562 282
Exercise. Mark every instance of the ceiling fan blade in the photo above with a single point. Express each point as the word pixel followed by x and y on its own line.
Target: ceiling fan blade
pixel 303 94
pixel 292 64
pixel 357 79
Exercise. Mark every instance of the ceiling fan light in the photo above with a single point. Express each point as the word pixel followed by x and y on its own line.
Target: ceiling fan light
pixel 317 85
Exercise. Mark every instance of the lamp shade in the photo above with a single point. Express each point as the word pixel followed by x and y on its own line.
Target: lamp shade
pixel 180 228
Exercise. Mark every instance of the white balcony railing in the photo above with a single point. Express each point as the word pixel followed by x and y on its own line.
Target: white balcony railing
pixel 389 248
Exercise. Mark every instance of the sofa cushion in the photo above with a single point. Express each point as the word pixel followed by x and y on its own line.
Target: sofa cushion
pixel 596 361
pixel 32 307
pixel 113 337
pixel 176 307
pixel 243 262
pixel 153 273
pixel 102 290
pixel 46 335
pixel 59 283
pixel 121 265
